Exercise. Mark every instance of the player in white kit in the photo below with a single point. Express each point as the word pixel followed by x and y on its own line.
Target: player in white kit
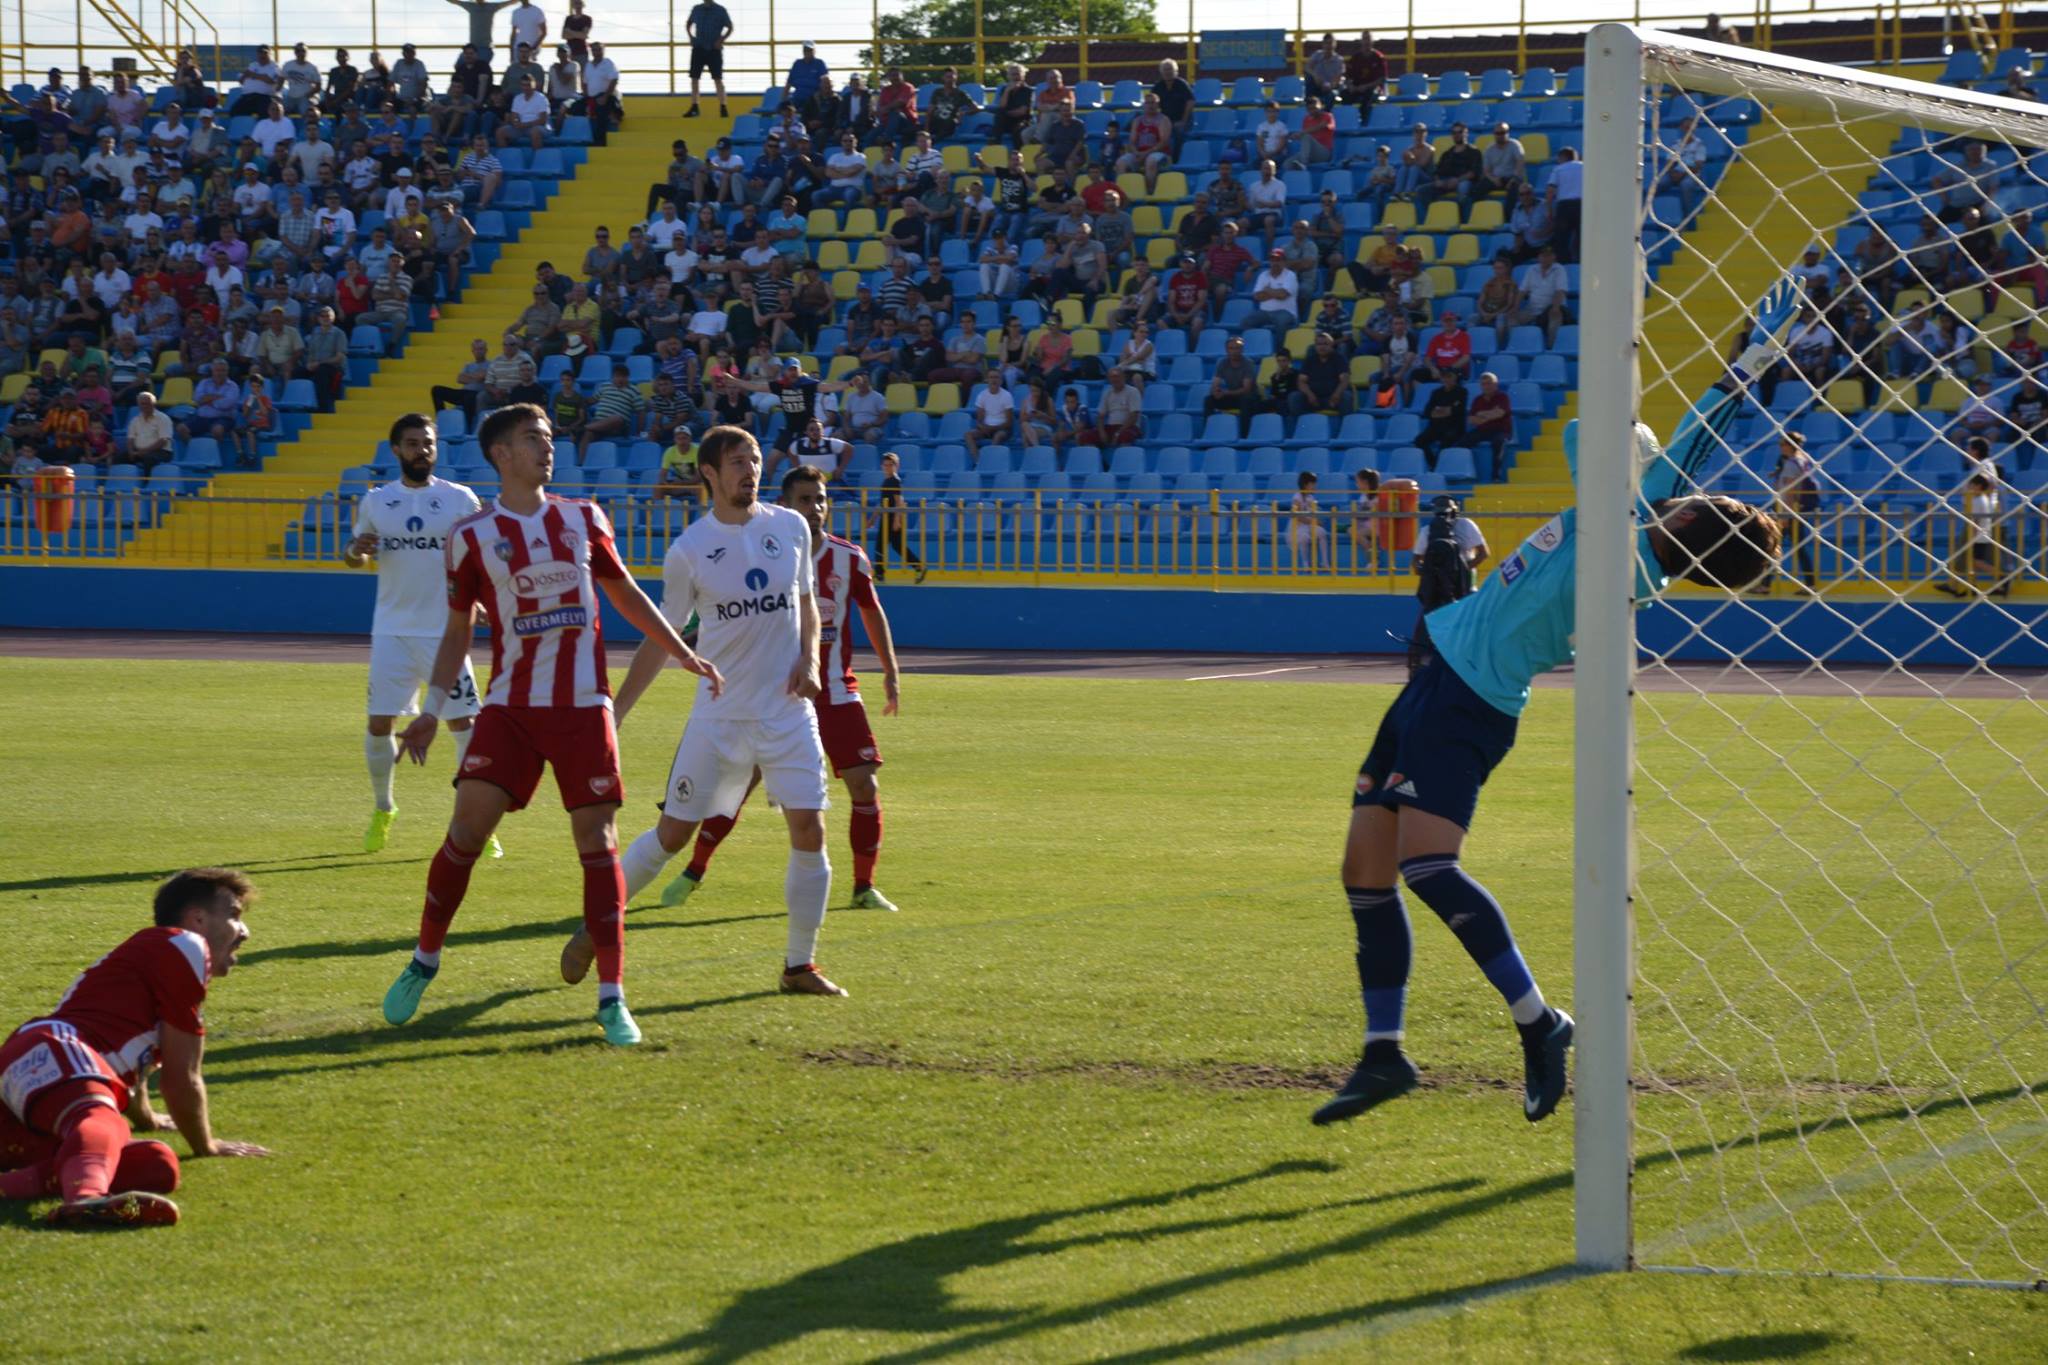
pixel 746 568
pixel 402 527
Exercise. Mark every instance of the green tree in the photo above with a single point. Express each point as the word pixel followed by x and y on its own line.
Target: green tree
pixel 955 18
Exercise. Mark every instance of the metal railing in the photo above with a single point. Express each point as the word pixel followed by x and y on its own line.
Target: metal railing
pixel 649 64
pixel 1022 536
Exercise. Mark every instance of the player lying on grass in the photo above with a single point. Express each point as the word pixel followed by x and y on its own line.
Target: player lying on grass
pixel 68 1078
pixel 747 565
pixel 1456 718
pixel 535 562
pixel 845 584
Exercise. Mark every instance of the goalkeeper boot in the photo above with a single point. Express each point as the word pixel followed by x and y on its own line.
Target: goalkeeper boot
pixel 871 898
pixel 379 830
pixel 618 1025
pixel 577 955
pixel 808 980
pixel 1545 1044
pixel 135 1209
pixel 681 889
pixel 402 1001
pixel 1382 1074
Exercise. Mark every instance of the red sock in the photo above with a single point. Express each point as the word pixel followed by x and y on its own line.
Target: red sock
pixel 32 1181
pixel 604 912
pixel 447 884
pixel 709 835
pixel 865 831
pixel 146 1165
pixel 93 1136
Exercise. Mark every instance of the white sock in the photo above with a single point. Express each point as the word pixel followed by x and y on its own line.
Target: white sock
pixel 806 888
pixel 381 753
pixel 462 745
pixel 1529 1008
pixel 608 991
pixel 643 860
pixel 431 961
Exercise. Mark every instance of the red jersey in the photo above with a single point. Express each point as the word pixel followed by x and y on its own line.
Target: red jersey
pixel 845 584
pixel 1187 290
pixel 1447 349
pixel 1225 260
pixel 117 1005
pixel 536 578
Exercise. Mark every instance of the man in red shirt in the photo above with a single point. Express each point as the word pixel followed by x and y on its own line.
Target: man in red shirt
pixel 1490 422
pixel 536 563
pixel 1365 72
pixel 1226 258
pixel 1187 298
pixel 67 1078
pixel 896 111
pixel 1450 351
pixel 1318 134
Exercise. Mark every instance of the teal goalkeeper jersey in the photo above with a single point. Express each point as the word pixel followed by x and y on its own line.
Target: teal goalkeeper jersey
pixel 1519 623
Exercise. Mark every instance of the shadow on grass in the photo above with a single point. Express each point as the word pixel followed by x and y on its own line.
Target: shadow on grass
pixel 1753 1346
pixel 902 1286
pixel 387 1046
pixel 261 868
pixel 504 933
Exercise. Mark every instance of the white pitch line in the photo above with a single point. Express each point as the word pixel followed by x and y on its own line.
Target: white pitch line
pixel 1257 673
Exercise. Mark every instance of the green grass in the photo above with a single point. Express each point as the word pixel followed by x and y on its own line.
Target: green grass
pixel 1064 1113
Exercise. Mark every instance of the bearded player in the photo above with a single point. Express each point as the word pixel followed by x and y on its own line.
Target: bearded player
pixel 68 1078
pixel 845 584
pixel 402 527
pixel 747 567
pixel 535 563
pixel 1416 793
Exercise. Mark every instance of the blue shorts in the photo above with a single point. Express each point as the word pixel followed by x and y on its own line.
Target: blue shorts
pixel 1435 748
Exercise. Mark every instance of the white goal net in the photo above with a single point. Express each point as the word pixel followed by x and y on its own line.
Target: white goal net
pixel 1813 876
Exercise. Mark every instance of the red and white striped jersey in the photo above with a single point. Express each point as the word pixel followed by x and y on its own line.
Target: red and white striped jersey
pixel 536 577
pixel 116 1006
pixel 845 584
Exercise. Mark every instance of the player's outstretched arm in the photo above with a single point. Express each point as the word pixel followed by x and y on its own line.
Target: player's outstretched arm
pixel 419 736
pixel 185 1096
pixel 1703 429
pixel 634 605
pixel 877 622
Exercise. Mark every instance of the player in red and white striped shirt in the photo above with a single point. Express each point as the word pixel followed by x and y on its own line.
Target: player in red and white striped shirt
pixel 846 584
pixel 535 563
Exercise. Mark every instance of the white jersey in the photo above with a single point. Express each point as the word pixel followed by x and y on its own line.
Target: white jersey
pixel 745 583
pixel 411 526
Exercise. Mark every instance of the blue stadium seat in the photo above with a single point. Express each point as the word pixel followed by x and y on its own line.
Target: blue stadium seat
pixel 1173 462
pixel 366 339
pixel 625 341
pixel 1496 83
pixel 1454 86
pixel 1208 91
pixel 1125 461
pixel 1126 95
pixel 299 396
pixel 1289 90
pixel 1538 81
pixel 1411 85
pixel 201 453
pixel 1248 90
pixel 1221 427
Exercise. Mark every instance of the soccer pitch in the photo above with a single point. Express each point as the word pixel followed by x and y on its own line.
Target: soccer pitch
pixel 1063 1115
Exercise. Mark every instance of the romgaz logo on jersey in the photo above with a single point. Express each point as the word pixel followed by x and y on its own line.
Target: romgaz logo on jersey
pixel 413 539
pixel 757 582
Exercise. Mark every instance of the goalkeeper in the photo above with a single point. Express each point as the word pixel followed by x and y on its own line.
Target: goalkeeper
pixel 1456 719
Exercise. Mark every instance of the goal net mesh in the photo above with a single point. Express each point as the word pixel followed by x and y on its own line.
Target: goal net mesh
pixel 1841 779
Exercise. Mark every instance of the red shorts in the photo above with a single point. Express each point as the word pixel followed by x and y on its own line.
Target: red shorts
pixel 510 743
pixel 48 1063
pixel 849 739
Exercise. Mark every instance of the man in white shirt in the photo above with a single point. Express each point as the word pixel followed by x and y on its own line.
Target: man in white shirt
pixel 1276 297
pixel 301 81
pixel 1568 179
pixel 149 432
pixel 707 325
pixel 527 116
pixel 815 448
pixel 995 414
pixel 1542 294
pixel 260 80
pixel 1266 197
pixel 846 172
pixel 601 91
pixel 663 229
pixel 171 134
pixel 529 26
pixel 1270 135
pixel 272 128
pixel 312 151
pixel 401 191
pixel 746 569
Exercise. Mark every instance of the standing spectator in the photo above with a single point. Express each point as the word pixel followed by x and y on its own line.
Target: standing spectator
pixel 1490 422
pixel 1541 296
pixel 1365 73
pixel 889 525
pixel 576 32
pixel 1568 185
pixel 708 27
pixel 601 93
pixel 412 88
pixel 1981 550
pixel 565 82
pixel 260 80
pixel 1795 485
pixel 804 74
pixel 529 26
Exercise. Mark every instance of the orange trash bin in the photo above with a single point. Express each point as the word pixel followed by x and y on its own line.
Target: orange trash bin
pixel 1400 499
pixel 55 485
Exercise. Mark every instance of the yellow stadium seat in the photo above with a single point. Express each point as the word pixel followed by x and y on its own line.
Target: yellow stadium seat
pixel 1032 151
pixel 165 360
pixel 1486 216
pixel 1909 299
pixel 1535 147
pixel 175 393
pixel 1145 220
pixel 822 223
pixel 1444 278
pixel 845 285
pixel 989 340
pixel 1443 217
pixel 1343 286
pixel 1846 395
pixel 12 386
pixel 901 398
pixel 876 155
pixel 1363 370
pixel 1362 310
pixel 895 215
pixel 1179 212
pixel 993 155
pixel 956 159
pixel 941 399
pixel 1082 182
pixel 833 255
pixel 1948 395
pixel 1421 245
pixel 841 366
pixel 1159 251
pixel 1965 303
pixel 1266 368
pixel 1400 214
pixel 870 256
pixel 53 356
pixel 1104 317
pixel 1068 311
pixel 1299 340
pixel 1131 186
pixel 860 224
pixel 2011 305
pixel 1461 249
pixel 1441 142
pixel 1172 187
pixel 1087 341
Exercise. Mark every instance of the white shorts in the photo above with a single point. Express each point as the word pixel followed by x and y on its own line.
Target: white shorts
pixel 400 666
pixel 716 760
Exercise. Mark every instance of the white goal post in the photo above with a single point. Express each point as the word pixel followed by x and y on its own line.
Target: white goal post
pixel 1828 1053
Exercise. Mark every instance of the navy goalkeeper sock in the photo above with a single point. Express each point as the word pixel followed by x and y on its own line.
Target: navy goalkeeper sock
pixel 1475 917
pixel 1385 949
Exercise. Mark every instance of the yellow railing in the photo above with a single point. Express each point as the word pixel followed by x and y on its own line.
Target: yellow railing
pixel 1020 536
pixel 757 63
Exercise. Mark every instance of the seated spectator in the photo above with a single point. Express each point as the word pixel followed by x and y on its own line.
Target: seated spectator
pixel 526 116
pixel 1533 222
pixel 1072 424
pixel 1234 387
pixel 678 477
pixel 2022 354
pixel 1050 355
pixel 863 411
pixel 216 407
pixel 1443 416
pixel 995 414
pixel 616 413
pixel 1450 350
pixel 1065 145
pixel 1365 537
pixel 1456 173
pixel 1283 383
pixel 998 267
pixel 1325 382
pixel 1225 261
pixel 1139 357
pixel 2027 418
pixel 1318 141
pixel 467 391
pixel 1266 201
pixel 1308 540
pixel 1270 138
pixel 1979 414
pixel 150 434
pixel 1187 298
pixel 1417 167
pixel 1685 173
pixel 896 111
pixel 1490 423
pixel 1810 347
pixel 965 357
pixel 1148 145
pixel 1401 361
pixel 1542 296
pixel 1499 298
pixel 1080 267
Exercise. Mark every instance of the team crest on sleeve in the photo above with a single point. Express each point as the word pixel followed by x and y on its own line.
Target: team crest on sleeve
pixel 1548 536
pixel 1512 567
